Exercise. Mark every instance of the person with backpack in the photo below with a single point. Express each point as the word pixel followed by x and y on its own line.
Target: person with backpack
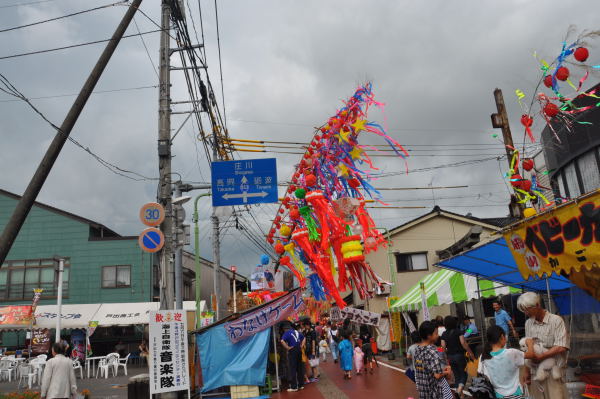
pixel 501 365
pixel 455 346
pixel 410 355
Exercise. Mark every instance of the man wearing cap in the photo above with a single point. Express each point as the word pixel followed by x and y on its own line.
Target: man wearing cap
pixel 293 341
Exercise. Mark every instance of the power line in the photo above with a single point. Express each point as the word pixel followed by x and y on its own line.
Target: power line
pixel 26 4
pixel 74 94
pixel 220 65
pixel 146 48
pixel 74 45
pixel 62 17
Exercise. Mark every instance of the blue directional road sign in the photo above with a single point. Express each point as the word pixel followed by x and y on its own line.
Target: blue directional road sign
pixel 249 181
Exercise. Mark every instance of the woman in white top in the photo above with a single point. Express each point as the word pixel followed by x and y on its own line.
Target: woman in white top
pixel 59 378
pixel 501 365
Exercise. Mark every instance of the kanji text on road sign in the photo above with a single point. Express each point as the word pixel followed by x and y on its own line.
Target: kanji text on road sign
pixel 151 239
pixel 249 181
pixel 152 214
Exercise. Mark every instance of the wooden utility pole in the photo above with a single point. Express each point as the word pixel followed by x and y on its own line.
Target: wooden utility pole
pixel 12 228
pixel 500 120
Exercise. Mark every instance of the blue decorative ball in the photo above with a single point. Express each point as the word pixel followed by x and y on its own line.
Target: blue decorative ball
pixel 264 259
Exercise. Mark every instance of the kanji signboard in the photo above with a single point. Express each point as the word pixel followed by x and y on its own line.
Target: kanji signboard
pixel 565 238
pixel 361 316
pixel 249 181
pixel 168 351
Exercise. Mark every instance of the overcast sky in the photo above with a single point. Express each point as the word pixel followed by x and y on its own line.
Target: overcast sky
pixel 286 67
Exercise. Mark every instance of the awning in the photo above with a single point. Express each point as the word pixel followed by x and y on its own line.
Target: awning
pixel 122 314
pixel 494 261
pixel 446 286
pixel 72 315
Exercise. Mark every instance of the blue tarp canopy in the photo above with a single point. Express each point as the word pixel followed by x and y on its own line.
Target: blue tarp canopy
pixel 494 261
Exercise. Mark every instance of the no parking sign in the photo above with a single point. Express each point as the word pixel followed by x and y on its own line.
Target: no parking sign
pixel 151 240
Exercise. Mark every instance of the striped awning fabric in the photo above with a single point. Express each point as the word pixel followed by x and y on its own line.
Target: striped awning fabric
pixel 445 287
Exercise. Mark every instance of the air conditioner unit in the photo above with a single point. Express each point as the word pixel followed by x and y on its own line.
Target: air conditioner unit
pixel 383 289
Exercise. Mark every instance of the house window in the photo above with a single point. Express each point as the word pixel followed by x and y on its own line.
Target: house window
pixel 116 276
pixel 18 279
pixel 411 262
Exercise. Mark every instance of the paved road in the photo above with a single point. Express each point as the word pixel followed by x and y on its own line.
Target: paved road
pixel 385 383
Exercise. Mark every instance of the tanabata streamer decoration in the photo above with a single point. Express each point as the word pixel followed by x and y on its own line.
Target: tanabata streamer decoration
pixel 322 230
pixel 567 71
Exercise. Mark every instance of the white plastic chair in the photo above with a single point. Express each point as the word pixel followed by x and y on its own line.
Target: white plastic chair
pixel 123 363
pixel 113 360
pixel 77 365
pixel 103 367
pixel 29 373
pixel 43 357
pixel 7 369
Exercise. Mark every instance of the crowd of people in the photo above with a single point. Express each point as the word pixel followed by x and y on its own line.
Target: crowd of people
pixel 308 345
pixel 439 354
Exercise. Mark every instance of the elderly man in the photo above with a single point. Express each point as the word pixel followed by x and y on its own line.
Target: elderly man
pixel 552 334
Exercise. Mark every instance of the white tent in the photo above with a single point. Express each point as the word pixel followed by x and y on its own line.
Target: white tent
pixel 121 314
pixel 72 316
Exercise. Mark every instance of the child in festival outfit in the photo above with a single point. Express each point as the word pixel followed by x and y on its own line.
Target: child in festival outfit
pixel 346 353
pixel 323 348
pixel 358 359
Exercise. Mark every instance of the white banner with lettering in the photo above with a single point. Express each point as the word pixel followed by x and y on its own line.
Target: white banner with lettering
pixel 361 316
pixel 168 361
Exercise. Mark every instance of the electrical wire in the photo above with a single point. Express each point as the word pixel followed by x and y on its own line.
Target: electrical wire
pixel 75 94
pixel 63 16
pixel 146 48
pixel 6 57
pixel 220 65
pixel 26 4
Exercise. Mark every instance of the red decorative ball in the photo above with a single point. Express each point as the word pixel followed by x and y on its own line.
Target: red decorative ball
pixel 526 120
pixel 528 164
pixel 526 185
pixel 581 54
pixel 310 180
pixel 551 110
pixel 285 260
pixel 562 73
pixel 279 248
pixel 354 183
pixel 516 180
pixel 548 81
pixel 295 213
pixel 281 210
pixel 270 240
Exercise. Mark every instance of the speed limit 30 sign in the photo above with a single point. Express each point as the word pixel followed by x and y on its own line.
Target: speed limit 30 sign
pixel 152 214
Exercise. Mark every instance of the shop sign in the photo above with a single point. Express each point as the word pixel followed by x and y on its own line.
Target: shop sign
pixel 396 326
pixel 41 341
pixel 15 315
pixel 168 351
pixel 563 239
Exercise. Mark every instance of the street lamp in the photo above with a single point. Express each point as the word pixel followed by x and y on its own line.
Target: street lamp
pixel 197 269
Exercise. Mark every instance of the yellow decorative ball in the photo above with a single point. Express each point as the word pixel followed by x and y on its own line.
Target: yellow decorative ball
pixel 285 230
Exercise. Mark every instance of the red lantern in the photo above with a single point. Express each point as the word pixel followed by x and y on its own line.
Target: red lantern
pixel 354 183
pixel 310 180
pixel 581 54
pixel 516 180
pixel 526 185
pixel 562 73
pixel 551 110
pixel 528 164
pixel 548 81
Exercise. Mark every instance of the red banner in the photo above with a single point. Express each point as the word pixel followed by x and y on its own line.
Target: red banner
pixel 15 316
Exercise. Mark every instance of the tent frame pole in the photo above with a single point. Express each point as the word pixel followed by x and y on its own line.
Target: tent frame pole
pixel 549 296
pixel 275 357
pixel 482 310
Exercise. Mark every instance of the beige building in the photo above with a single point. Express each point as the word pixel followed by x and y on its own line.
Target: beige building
pixel 415 249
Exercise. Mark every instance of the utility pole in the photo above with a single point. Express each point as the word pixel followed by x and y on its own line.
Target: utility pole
pixel 61 269
pixel 500 120
pixel 164 159
pixel 12 228
pixel 178 252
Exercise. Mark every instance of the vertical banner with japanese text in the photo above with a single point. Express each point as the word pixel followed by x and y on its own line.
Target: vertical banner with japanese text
pixel 424 308
pixel 168 351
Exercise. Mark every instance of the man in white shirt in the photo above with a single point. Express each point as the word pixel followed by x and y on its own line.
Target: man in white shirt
pixel 59 378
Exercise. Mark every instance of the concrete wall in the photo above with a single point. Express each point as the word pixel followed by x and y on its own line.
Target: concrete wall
pixel 431 235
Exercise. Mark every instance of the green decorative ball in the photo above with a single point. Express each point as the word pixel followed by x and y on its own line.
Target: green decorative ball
pixel 300 193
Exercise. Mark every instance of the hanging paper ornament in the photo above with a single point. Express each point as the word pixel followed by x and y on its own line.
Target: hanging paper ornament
pixel 525 185
pixel 548 81
pixel 300 193
pixel 279 249
pixel 529 212
pixel 295 213
pixel 581 54
pixel 527 121
pixel 528 164
pixel 562 73
pixel 551 110
pixel 264 259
